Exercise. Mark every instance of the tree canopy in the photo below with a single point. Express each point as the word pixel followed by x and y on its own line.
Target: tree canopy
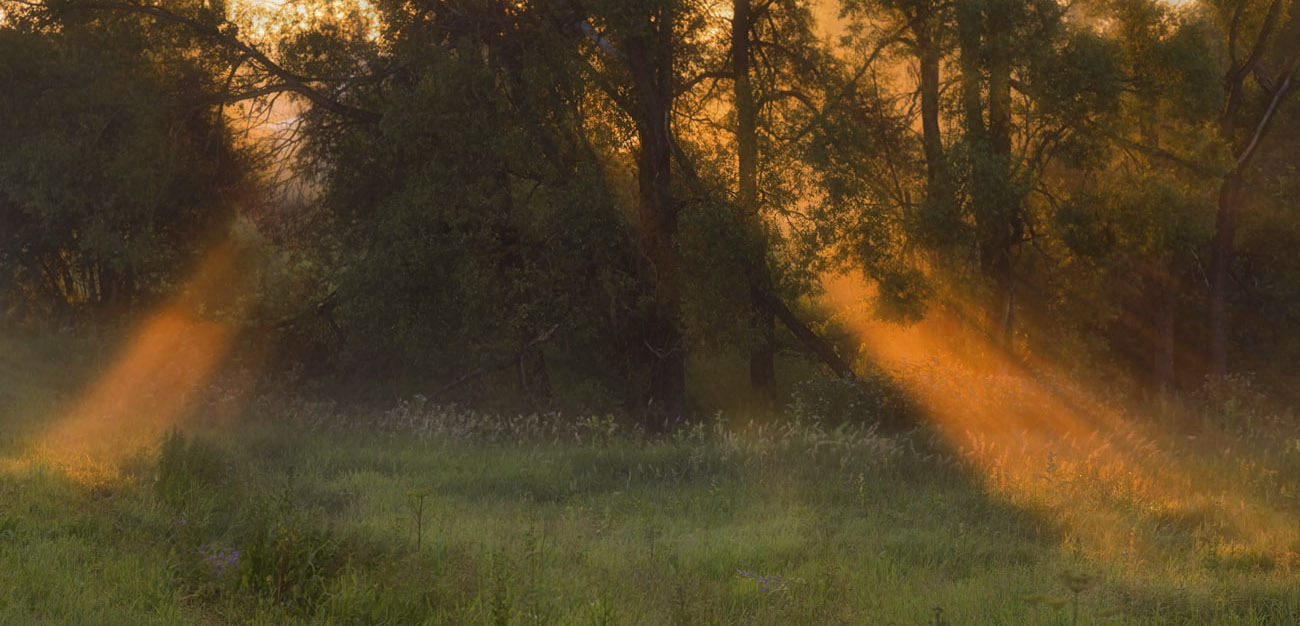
pixel 581 205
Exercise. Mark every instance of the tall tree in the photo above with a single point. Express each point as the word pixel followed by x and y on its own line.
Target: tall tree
pixel 1269 58
pixel 762 359
pixel 636 45
pixel 117 168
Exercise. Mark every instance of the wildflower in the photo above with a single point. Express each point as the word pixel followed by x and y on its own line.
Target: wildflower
pixel 221 561
pixel 766 583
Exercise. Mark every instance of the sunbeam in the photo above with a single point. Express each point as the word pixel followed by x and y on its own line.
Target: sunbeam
pixel 1050 443
pixel 157 376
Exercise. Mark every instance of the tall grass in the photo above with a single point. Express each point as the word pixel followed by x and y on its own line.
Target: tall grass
pixel 306 512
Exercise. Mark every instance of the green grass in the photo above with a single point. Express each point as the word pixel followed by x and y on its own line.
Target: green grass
pixel 420 516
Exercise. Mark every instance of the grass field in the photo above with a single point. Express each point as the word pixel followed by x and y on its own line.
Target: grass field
pixel 297 513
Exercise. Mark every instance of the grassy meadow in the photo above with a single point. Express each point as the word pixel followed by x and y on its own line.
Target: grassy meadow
pixel 297 512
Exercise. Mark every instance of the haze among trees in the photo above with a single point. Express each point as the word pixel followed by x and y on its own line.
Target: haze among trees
pixel 597 206
pixel 688 312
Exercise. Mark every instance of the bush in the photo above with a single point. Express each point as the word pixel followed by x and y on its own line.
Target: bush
pixel 289 559
pixel 876 399
pixel 1238 404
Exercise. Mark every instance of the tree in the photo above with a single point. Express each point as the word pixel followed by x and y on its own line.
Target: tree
pixel 634 47
pixel 1270 60
pixel 117 170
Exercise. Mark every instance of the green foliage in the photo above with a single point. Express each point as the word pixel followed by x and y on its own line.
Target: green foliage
pixel 1076 91
pixel 116 170
pixel 288 557
pixel 875 400
pixel 469 223
pixel 230 538
pixel 1237 403
pixel 717 309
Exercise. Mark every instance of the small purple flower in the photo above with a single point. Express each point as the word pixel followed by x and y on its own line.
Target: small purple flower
pixel 766 583
pixel 221 561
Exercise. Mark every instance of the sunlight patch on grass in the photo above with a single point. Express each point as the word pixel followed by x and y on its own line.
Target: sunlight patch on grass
pixel 1121 487
pixel 155 379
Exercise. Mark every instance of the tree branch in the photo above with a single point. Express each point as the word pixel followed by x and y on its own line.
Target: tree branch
pixel 701 77
pixel 815 343
pixel 1265 30
pixel 1161 153
pixel 1244 159
pixel 880 47
pixel 787 93
pixel 600 40
pixel 290 81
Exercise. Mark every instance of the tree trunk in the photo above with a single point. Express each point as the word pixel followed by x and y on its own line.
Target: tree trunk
pixel 762 357
pixel 535 378
pixel 982 37
pixel 1167 332
pixel 928 57
pixel 1160 282
pixel 1007 224
pixel 650 60
pixel 1286 53
pixel 1221 251
pixel 969 26
pixel 762 360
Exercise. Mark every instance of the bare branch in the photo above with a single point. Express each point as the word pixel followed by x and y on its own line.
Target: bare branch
pixel 703 76
pixel 1244 159
pixel 785 94
pixel 1161 153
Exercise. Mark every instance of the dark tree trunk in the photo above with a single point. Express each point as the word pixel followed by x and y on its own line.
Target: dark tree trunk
pixel 762 360
pixel 1161 280
pixel 982 37
pixel 762 357
pixel 535 378
pixel 650 59
pixel 928 56
pixel 1285 54
pixel 1007 224
pixel 1166 353
pixel 969 27
pixel 1221 252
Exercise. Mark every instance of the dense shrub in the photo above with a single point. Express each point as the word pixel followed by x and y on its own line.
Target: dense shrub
pixel 876 399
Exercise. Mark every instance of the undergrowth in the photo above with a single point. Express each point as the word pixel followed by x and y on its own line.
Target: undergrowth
pixel 310 513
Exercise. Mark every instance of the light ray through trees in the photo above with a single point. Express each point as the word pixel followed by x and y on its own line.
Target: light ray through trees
pixel 157 377
pixel 1049 442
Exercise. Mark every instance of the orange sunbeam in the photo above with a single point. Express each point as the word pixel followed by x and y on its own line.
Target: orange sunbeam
pixel 156 378
pixel 1048 442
